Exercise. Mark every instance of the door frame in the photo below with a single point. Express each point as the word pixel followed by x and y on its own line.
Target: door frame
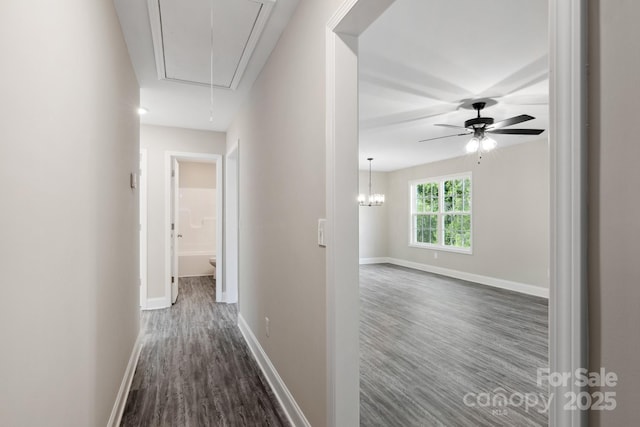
pixel 567 139
pixel 232 224
pixel 143 200
pixel 174 214
pixel 169 156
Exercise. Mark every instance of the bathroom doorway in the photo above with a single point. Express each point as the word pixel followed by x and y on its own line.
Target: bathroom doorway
pixel 194 220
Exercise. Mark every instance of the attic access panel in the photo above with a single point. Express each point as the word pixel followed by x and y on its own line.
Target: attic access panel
pixel 181 34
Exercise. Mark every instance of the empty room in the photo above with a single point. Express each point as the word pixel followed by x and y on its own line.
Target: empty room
pixel 454 214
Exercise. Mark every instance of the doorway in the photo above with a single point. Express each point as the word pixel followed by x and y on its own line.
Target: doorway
pixel 410 84
pixel 567 317
pixel 194 217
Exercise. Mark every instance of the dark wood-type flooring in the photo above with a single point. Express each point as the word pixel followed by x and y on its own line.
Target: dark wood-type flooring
pixel 195 368
pixel 427 340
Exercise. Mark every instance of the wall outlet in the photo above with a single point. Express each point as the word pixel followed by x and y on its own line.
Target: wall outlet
pixel 435 255
pixel 267 326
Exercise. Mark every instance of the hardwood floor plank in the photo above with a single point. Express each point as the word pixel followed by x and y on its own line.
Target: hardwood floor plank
pixel 195 368
pixel 427 340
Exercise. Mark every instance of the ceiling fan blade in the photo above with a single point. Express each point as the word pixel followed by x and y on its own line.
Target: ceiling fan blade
pixel 517 131
pixel 441 137
pixel 531 99
pixel 512 121
pixel 450 126
pixel 401 119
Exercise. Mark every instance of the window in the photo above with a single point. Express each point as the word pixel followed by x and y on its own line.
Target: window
pixel 441 213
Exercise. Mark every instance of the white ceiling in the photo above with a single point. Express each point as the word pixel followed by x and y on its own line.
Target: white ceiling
pixel 174 79
pixel 423 61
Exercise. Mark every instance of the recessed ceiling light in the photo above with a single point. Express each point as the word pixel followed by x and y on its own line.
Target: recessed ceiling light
pixel 142 111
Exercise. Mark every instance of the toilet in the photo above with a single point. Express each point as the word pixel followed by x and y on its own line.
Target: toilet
pixel 212 261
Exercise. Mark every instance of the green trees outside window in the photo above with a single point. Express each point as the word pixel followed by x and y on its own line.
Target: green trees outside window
pixel 426 218
pixel 441 212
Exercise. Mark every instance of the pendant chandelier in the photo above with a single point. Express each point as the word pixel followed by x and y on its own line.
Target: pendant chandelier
pixel 374 199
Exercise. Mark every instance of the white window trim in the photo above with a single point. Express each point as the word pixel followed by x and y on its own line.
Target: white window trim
pixel 439 246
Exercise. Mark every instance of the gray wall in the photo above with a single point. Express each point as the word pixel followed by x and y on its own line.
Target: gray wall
pixel 510 214
pixel 69 249
pixel 158 140
pixel 614 230
pixel 282 194
pixel 373 220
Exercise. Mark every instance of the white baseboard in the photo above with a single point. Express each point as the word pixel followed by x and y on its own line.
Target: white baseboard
pixel 185 276
pixel 379 260
pixel 157 303
pixel 123 392
pixel 538 291
pixel 291 408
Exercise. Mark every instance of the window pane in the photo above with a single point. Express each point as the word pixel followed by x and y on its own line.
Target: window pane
pixel 450 196
pixel 434 222
pixel 449 230
pixel 457 230
pixel 427 197
pixel 457 195
pixel 431 229
pixel 418 194
pixel 434 197
pixel 466 222
pixel 425 230
pixel 414 227
pixel 467 195
pixel 458 192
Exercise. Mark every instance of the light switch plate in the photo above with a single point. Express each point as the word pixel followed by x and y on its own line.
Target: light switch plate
pixel 322 223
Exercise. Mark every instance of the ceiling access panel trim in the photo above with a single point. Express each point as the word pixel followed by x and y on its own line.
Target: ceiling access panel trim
pixel 155 21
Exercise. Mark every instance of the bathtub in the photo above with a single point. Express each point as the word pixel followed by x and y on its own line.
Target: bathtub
pixel 195 263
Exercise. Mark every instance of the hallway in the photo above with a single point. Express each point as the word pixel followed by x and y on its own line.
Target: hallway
pixel 195 368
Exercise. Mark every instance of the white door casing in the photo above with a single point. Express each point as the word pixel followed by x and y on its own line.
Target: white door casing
pixel 231 225
pixel 175 228
pixel 567 306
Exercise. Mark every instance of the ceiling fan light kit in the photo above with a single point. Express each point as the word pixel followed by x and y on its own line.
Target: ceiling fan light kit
pixel 483 143
pixel 488 144
pixel 473 145
pixel 481 126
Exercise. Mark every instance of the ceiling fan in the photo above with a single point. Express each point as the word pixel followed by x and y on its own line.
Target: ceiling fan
pixel 481 126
